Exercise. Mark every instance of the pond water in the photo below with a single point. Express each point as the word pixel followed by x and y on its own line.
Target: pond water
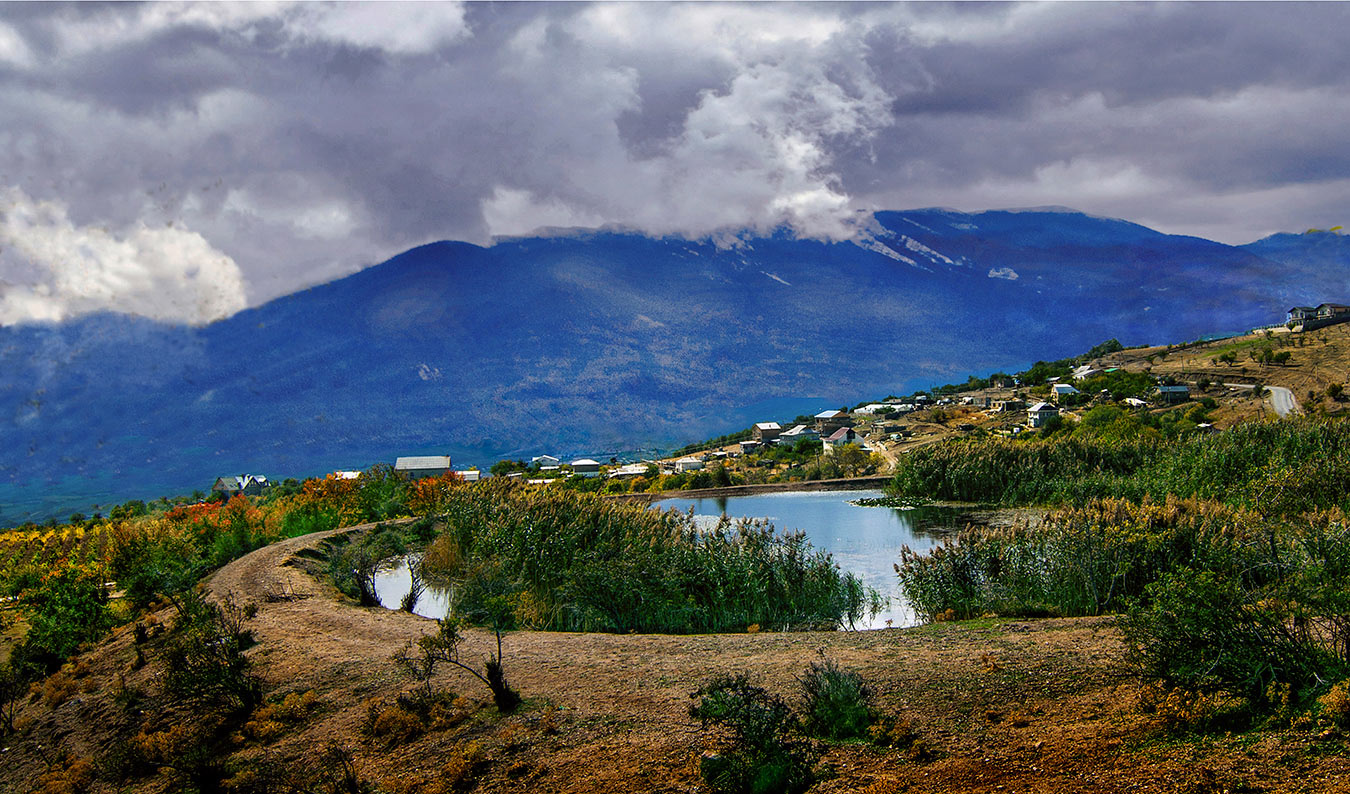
pixel 865 541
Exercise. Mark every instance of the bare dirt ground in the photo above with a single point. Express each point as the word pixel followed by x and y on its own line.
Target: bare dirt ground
pixel 1000 705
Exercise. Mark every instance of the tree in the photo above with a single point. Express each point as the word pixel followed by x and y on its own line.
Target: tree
pixel 422 657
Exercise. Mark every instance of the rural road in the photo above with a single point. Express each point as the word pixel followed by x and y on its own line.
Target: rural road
pixel 1281 399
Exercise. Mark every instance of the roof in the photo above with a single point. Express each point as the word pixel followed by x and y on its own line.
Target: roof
pixel 585 462
pixel 1174 389
pixel 689 459
pixel 1064 388
pixel 1042 407
pixel 768 426
pixel 799 430
pixel 840 434
pixel 422 462
pixel 829 414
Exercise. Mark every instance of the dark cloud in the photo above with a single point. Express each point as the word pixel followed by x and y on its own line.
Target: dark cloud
pixel 296 143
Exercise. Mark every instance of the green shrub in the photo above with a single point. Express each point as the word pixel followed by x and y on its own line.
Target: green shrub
pixel 837 703
pixel 68 609
pixel 204 661
pixel 1204 633
pixel 762 757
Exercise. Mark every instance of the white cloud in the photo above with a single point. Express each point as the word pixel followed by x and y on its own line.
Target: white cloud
pixel 1005 273
pixel 64 270
pixel 400 28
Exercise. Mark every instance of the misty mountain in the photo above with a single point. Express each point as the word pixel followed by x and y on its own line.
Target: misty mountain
pixel 597 342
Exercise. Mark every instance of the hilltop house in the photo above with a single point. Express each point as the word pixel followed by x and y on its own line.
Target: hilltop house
pixel 586 467
pixel 629 470
pixel 545 460
pixel 247 484
pixel 416 467
pixel 767 432
pixel 469 475
pixel 1039 414
pixel 1331 311
pixel 1301 314
pixel 839 438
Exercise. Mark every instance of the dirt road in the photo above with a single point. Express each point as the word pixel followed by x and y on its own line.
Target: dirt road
pixel 1034 706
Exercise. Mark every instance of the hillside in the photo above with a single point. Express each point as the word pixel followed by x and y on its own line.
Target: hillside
pixel 999 705
pixel 592 343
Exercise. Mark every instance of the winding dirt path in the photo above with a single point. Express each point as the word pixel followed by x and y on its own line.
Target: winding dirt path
pixel 1027 706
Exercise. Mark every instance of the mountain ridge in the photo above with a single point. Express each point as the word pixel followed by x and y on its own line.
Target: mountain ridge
pixel 599 341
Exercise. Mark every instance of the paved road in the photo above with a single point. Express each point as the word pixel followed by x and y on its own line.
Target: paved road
pixel 1281 399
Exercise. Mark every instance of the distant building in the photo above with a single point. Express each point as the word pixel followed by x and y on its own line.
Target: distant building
pixel 545 460
pixel 1173 394
pixel 767 432
pixel 839 438
pixel 1039 414
pixel 750 445
pixel 586 467
pixel 829 421
pixel 1086 371
pixel 469 475
pixel 1135 402
pixel 345 475
pixel 246 484
pixel 1329 311
pixel 797 433
pixel 688 464
pixel 628 471
pixel 1300 314
pixel 415 467
pixel 1063 390
pixel 1008 406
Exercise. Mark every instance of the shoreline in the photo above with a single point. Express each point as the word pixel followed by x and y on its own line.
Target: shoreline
pixel 842 484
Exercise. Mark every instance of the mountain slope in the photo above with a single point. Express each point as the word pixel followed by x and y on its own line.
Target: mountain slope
pixel 587 343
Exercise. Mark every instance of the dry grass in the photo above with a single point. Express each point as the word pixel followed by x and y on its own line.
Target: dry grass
pixel 607 713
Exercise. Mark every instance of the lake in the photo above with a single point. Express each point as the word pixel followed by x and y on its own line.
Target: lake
pixel 865 541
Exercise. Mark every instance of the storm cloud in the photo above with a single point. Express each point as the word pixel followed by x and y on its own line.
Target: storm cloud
pixel 184 160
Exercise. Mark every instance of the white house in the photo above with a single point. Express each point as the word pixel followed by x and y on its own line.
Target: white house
pixel 345 475
pixel 870 409
pixel 418 466
pixel 545 460
pixel 1084 372
pixel 688 464
pixel 586 467
pixel 628 470
pixel 798 433
pixel 1040 413
pixel 840 437
pixel 469 475
pixel 247 484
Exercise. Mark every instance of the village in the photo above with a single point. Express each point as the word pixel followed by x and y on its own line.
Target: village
pixel 1205 384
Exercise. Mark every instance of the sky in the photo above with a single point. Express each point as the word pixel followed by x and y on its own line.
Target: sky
pixel 184 161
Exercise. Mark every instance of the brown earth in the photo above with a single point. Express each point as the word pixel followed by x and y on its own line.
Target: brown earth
pixel 999 705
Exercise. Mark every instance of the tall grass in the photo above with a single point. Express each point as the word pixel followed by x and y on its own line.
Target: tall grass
pixel 1276 468
pixel 574 562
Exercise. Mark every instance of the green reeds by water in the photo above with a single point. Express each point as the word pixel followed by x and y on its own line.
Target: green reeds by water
pixel 1278 468
pixel 574 562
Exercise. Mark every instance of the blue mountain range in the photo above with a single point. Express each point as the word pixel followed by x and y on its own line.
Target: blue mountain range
pixel 600 342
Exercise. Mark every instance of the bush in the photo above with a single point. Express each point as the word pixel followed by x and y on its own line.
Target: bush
pixel 1203 633
pixel 68 609
pixel 204 661
pixel 837 703
pixel 763 757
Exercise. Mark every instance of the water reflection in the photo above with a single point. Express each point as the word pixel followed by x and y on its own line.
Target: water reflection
pixel 865 541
